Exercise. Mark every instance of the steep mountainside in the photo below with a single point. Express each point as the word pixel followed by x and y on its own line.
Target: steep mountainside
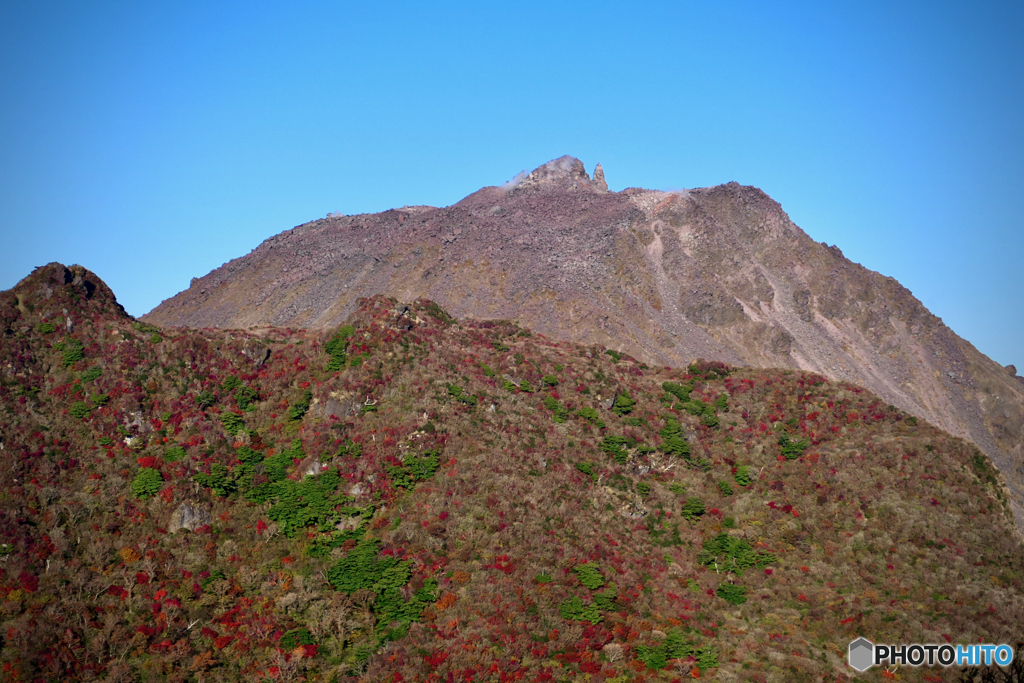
pixel 715 273
pixel 413 498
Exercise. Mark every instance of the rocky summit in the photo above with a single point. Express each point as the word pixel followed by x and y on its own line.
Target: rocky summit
pixel 718 272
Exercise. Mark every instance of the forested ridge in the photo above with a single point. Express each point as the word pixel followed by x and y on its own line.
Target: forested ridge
pixel 410 497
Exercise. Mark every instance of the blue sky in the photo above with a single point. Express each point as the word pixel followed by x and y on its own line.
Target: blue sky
pixel 152 142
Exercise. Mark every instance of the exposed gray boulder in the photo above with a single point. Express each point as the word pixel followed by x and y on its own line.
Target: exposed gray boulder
pixel 189 516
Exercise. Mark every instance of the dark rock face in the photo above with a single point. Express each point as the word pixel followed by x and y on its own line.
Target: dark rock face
pixel 716 272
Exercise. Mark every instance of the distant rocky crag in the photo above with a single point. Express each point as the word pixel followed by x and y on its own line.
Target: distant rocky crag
pixel 718 272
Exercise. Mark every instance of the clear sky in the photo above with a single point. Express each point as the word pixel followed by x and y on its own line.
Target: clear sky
pixel 153 141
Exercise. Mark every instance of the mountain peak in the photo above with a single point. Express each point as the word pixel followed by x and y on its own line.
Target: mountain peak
pixel 565 169
pixel 718 272
pixel 599 181
pixel 50 291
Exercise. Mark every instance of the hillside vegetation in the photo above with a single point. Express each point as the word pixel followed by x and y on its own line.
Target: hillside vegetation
pixel 410 497
pixel 719 273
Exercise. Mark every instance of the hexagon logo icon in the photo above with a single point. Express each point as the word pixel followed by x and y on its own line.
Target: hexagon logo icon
pixel 862 654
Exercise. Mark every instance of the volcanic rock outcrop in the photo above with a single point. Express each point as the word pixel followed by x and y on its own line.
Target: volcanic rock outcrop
pixel 718 272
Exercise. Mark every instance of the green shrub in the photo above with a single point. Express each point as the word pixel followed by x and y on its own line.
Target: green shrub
pixel 246 397
pixel 617 447
pixel 488 372
pixel 337 347
pixel 725 489
pixel 145 328
pixel 588 469
pixel 174 454
pixel 614 354
pixel 106 441
pixel 205 399
pixel 246 455
pixel 46 328
pixel 362 568
pixel 677 487
pixel 606 599
pixel 526 386
pixel 560 411
pixel 232 422
pixel 674 646
pixel 299 408
pixel 543 578
pixel 99 399
pixel 743 476
pixel 709 420
pixel 91 375
pixel 695 407
pixel 351 449
pixel 643 488
pixel 912 421
pixel 624 404
pixel 677 390
pixel 693 508
pixel 72 351
pixel 729 522
pixel 276 468
pixel 230 382
pixel 574 609
pixel 414 469
pixel 80 410
pixel 460 395
pixel 722 403
pixel 674 441
pixel 589 575
pixel 509 386
pixel 653 656
pixel 732 594
pixel 707 658
pixel 324 544
pixel 732 554
pixel 297 636
pixel 313 501
pixel 218 479
pixel 793 449
pixel 147 482
pixel 591 416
